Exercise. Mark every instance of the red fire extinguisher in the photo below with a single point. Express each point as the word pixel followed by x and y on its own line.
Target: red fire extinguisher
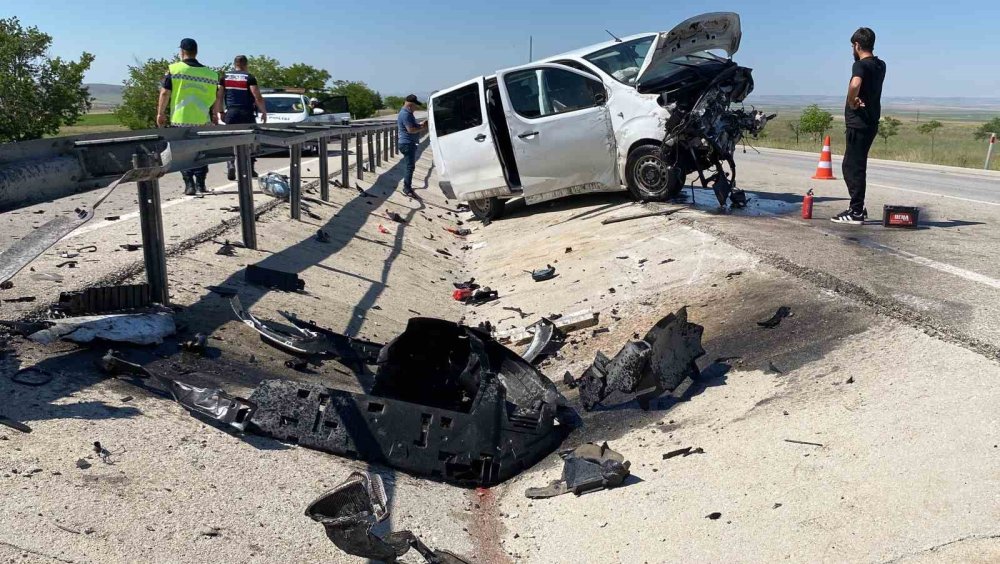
pixel 807 205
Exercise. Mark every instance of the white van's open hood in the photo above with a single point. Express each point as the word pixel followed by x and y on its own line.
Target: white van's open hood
pixel 716 30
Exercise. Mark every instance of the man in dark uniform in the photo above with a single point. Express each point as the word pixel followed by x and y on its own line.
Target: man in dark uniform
pixel 862 114
pixel 238 89
pixel 189 89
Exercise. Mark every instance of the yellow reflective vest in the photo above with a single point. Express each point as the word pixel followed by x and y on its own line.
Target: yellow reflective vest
pixel 192 94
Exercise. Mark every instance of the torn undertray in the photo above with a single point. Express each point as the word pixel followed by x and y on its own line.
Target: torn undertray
pixel 589 467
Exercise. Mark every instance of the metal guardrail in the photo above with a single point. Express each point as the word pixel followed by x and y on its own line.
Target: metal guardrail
pixel 38 171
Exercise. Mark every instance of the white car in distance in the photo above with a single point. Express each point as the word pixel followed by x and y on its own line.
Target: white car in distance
pixel 639 113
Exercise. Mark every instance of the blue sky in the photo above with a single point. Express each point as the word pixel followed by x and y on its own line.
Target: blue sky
pixel 932 48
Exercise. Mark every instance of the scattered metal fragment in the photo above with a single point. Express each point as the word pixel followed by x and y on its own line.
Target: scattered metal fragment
pixel 783 312
pixel 683 452
pixel 21 300
pixel 112 217
pixel 447 402
pixel 443 252
pixel 803 443
pixel 350 511
pixel 68 263
pixel 660 362
pixel 639 216
pixel 587 468
pixel 136 328
pixel 548 340
pixel 734 274
pixel 16 425
pixel 271 278
pixel 131 247
pixel 543 274
pixel 104 299
pixel 565 323
pixel 67 255
pixel 87 249
pixel 32 376
pixel 209 402
pixel 516 310
pixel 667 261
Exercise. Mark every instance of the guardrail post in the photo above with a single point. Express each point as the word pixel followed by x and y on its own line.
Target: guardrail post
pixel 324 170
pixel 295 195
pixel 385 144
pixel 359 156
pixel 378 148
pixel 371 151
pixel 151 222
pixel 395 141
pixel 244 182
pixel 345 163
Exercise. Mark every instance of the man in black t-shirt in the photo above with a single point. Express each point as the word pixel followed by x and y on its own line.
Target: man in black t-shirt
pixel 238 88
pixel 862 114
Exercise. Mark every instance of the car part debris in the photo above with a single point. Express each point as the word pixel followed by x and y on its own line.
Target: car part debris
pixel 226 250
pixel 714 515
pixel 660 362
pixel 587 468
pixel 274 185
pixel 136 328
pixel 16 425
pixel 611 220
pixel 104 299
pixel 26 249
pixel 516 310
pixel 564 323
pixel 32 376
pixel 734 274
pixel 271 278
pixel 131 247
pixel 350 511
pixel 68 263
pixel 209 402
pixel 297 364
pixel 308 339
pixel 548 340
pixel 458 232
pixel 683 452
pixel 783 312
pixel 482 296
pixel 224 291
pixel 543 274
pixel 6 285
pixel 807 443
pixel 470 285
pixel 197 344
pixel 87 249
pixel 21 300
pixel 68 255
pixel 448 402
pixel 322 236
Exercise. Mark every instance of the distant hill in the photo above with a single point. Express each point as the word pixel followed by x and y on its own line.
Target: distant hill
pixel 106 96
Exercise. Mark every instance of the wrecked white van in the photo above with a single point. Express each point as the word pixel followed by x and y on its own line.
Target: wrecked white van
pixel 639 113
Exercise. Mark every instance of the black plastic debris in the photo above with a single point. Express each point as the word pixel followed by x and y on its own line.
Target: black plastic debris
pixel 6 285
pixel 714 515
pixel 68 264
pixel 104 299
pixel 297 364
pixel 322 236
pixel 546 341
pixel 482 296
pixel 783 312
pixel 448 402
pixel 543 274
pixel 683 452
pixel 587 468
pixel 516 310
pixel 131 247
pixel 469 285
pixel 32 376
pixel 227 249
pixel 21 300
pixel 734 274
pixel 197 344
pixel 271 278
pixel 211 403
pixel 350 511
pixel 658 363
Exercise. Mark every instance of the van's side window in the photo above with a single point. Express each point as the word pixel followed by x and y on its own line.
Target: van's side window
pixel 457 111
pixel 543 92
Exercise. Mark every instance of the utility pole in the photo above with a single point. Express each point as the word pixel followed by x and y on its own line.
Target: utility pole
pixel 989 151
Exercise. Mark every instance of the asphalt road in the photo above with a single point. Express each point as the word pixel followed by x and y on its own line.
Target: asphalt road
pixel 944 274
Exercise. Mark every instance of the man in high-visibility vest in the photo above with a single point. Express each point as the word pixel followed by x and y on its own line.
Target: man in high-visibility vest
pixel 190 88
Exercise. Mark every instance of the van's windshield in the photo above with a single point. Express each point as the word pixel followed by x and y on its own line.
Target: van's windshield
pixel 623 60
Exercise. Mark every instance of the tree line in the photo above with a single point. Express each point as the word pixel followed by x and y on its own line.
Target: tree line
pixel 40 94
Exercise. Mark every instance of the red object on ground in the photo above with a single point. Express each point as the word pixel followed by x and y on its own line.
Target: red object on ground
pixel 382 229
pixel 900 216
pixel 462 294
pixel 824 170
pixel 807 205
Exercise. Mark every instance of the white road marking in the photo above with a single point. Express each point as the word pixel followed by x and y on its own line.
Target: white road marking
pixel 933 194
pixel 132 215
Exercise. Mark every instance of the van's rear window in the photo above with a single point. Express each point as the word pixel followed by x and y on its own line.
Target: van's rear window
pixel 457 111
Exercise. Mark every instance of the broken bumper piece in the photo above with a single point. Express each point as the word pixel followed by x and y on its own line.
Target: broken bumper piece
pixel 448 402
pixel 348 513
pixel 587 468
pixel 660 362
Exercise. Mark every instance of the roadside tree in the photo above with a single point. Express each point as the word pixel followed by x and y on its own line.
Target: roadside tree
pixel 992 126
pixel 888 127
pixel 930 128
pixel 394 102
pixel 796 128
pixel 362 99
pixel 816 121
pixel 38 94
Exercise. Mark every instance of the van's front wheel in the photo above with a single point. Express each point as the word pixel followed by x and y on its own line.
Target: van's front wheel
pixel 487 209
pixel 649 178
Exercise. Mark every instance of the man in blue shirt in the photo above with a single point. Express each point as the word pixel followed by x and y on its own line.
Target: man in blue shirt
pixel 409 137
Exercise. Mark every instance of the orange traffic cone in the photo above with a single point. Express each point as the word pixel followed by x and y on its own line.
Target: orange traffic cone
pixel 824 170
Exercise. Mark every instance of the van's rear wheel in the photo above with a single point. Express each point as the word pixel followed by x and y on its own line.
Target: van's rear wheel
pixel 649 178
pixel 487 209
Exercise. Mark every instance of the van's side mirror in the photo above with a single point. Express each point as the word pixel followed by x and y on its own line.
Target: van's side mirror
pixel 318 111
pixel 600 98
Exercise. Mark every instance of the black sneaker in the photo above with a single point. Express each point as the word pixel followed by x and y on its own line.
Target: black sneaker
pixel 864 213
pixel 849 218
pixel 411 194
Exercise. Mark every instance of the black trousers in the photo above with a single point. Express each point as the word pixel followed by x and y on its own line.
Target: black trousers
pixel 238 115
pixel 859 143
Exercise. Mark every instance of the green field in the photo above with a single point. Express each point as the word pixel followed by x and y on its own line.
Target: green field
pixel 94 122
pixel 954 144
